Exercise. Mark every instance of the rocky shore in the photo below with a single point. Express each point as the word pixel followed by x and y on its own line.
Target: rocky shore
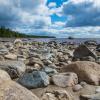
pixel 49 70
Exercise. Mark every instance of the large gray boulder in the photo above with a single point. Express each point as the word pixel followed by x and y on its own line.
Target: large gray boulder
pixel 36 79
pixel 14 68
pixel 83 51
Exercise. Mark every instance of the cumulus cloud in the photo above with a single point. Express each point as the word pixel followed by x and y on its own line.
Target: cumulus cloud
pixel 82 12
pixel 52 4
pixel 34 13
pixel 33 17
pixel 77 32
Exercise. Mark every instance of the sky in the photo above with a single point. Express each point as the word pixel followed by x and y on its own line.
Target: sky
pixel 59 18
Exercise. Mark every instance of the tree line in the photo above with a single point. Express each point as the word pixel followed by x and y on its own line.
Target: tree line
pixel 8 33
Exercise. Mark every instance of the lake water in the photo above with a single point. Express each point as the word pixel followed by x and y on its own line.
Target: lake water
pixel 76 41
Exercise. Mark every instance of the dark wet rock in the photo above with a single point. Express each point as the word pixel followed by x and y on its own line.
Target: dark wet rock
pixel 36 79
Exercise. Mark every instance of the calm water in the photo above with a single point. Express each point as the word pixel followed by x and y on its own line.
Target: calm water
pixel 76 41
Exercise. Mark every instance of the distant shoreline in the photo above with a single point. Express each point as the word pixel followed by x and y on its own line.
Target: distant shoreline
pixel 8 33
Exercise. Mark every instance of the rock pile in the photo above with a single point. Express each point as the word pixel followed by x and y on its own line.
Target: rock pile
pixel 49 70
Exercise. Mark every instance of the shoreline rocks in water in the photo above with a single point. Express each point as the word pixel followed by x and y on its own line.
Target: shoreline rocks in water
pixel 32 70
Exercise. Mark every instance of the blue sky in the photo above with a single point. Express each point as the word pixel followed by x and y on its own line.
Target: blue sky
pixel 60 18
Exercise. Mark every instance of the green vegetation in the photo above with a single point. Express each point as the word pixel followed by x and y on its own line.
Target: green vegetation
pixel 8 33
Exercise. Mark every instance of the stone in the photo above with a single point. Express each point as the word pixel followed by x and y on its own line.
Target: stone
pixel 12 91
pixel 83 84
pixel 4 76
pixel 87 71
pixel 91 97
pixel 18 43
pixel 97 90
pixel 4 51
pixel 36 79
pixel 57 95
pixel 11 56
pixel 49 71
pixel 98 48
pixel 77 87
pixel 46 62
pixel 90 42
pixel 65 79
pixel 14 68
pixel 33 61
pixel 83 51
pixel 88 58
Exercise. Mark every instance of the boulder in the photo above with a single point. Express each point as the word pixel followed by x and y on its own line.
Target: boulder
pixel 14 68
pixel 83 51
pixel 91 97
pixel 65 79
pixel 57 95
pixel 86 71
pixel 10 90
pixel 4 77
pixel 18 43
pixel 36 79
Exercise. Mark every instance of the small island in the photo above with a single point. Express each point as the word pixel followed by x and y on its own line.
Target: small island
pixel 70 38
pixel 8 33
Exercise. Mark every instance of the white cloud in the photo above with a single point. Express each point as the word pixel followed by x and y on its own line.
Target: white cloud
pixel 82 12
pixel 77 32
pixel 52 4
pixel 34 13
